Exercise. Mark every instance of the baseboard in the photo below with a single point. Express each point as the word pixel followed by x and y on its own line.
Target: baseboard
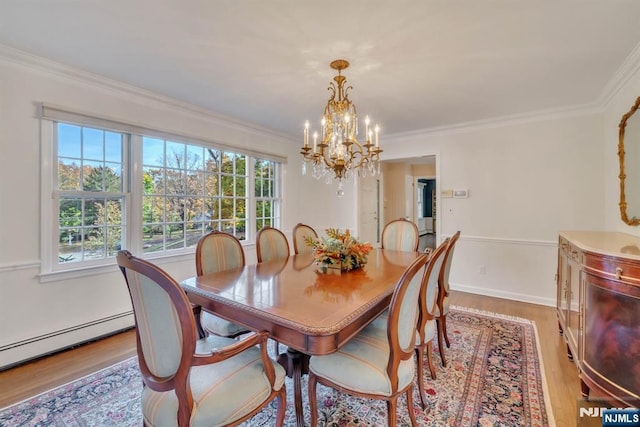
pixel 22 351
pixel 533 299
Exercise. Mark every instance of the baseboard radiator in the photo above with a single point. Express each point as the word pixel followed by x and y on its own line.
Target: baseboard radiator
pixel 19 352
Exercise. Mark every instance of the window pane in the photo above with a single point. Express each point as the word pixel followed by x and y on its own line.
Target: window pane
pixel 68 174
pixel 212 185
pixel 152 151
pixel 227 209
pixel 113 147
pixel 227 162
pixel 175 155
pixel 241 164
pixel 195 157
pixel 153 180
pixel 69 141
pixel 227 183
pixel 195 183
pixel 175 182
pixel 212 160
pixel 92 179
pixel 92 144
pixel 241 186
pixel 113 177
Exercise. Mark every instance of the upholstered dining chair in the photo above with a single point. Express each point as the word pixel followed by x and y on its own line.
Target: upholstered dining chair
pixel 190 381
pixel 377 363
pixel 271 243
pixel 443 297
pixel 219 251
pixel 400 235
pixel 300 233
pixel 426 320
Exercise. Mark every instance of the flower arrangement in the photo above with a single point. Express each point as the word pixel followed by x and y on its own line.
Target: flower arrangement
pixel 339 250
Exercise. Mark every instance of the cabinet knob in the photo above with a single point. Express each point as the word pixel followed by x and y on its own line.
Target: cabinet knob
pixel 618 272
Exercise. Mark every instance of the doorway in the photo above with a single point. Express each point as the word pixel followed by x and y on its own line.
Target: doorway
pixel 409 186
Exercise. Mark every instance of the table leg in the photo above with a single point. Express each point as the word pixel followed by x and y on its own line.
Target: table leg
pixel 295 364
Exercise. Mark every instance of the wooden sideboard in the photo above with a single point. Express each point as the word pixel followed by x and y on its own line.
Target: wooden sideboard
pixel 598 305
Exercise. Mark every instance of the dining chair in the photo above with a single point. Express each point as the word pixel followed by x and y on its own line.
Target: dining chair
pixel 189 381
pixel 300 233
pixel 400 235
pixel 377 363
pixel 219 251
pixel 271 243
pixel 443 297
pixel 426 326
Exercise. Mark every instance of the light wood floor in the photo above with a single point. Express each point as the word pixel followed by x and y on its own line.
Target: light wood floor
pixel 21 382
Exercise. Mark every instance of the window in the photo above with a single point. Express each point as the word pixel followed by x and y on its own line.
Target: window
pixel 190 190
pixel 115 188
pixel 90 193
pixel 266 192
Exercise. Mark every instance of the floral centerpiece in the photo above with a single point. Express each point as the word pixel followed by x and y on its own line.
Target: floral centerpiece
pixel 339 250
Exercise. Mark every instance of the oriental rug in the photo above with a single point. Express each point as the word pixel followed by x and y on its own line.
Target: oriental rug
pixel 495 377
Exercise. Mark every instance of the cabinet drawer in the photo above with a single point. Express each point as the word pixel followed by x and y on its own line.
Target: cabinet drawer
pixel 609 267
pixel 570 250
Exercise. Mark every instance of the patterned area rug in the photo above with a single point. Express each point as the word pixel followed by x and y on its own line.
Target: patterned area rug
pixel 495 377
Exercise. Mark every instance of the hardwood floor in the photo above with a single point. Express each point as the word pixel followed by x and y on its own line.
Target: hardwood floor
pixel 34 377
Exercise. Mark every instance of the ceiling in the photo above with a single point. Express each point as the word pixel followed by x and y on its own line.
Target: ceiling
pixel 415 64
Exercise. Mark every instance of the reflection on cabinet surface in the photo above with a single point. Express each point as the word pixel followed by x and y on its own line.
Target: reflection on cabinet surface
pixel 598 305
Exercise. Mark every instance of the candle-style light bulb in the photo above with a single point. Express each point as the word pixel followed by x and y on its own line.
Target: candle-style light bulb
pixel 366 126
pixel 370 136
pixel 306 133
pixel 377 131
pixel 315 140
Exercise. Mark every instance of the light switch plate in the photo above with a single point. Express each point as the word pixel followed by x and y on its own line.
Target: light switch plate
pixel 446 194
pixel 460 194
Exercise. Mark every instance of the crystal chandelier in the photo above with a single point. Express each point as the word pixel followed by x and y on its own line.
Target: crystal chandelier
pixel 338 153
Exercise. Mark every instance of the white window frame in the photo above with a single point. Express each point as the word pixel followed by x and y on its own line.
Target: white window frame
pixel 51 270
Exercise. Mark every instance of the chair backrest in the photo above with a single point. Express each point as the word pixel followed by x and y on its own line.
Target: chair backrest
pixel 300 233
pixel 400 235
pixel 218 251
pixel 430 290
pixel 271 243
pixel 165 326
pixel 403 317
pixel 446 266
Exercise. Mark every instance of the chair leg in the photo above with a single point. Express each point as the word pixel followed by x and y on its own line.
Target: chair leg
pixel 432 368
pixel 444 330
pixel 412 415
pixel 282 407
pixel 392 405
pixel 313 403
pixel 276 348
pixel 440 343
pixel 420 362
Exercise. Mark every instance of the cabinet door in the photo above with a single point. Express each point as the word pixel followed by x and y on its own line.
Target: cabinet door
pixel 573 306
pixel 612 336
pixel 562 285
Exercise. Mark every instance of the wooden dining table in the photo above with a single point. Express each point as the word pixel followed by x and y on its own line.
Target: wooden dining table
pixel 311 312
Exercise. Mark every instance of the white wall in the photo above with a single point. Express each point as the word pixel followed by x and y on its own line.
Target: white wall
pixel 37 317
pixel 526 182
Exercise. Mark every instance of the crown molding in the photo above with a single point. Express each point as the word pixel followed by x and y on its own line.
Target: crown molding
pixel 629 69
pixel 48 66
pixel 498 122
